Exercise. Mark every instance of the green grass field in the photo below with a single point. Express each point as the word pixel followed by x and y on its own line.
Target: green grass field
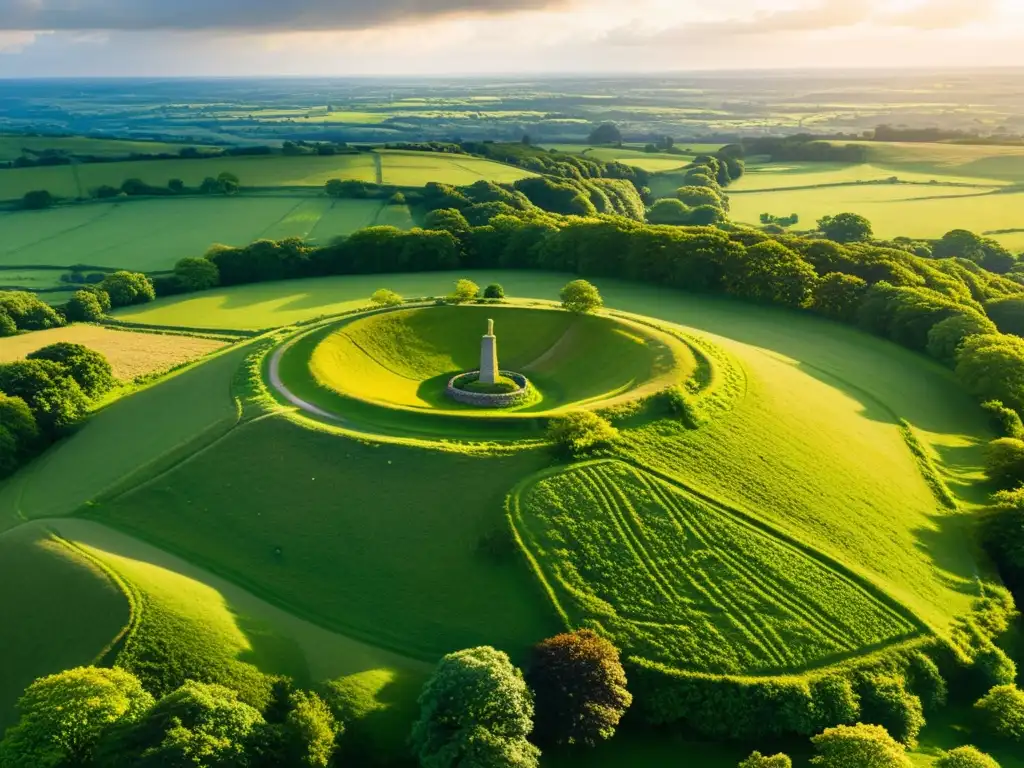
pixel 418 168
pixel 11 146
pixel 690 584
pixel 127 441
pixel 894 210
pixel 770 176
pixel 152 235
pixel 411 578
pixel 399 167
pixel 59 609
pixel 1005 163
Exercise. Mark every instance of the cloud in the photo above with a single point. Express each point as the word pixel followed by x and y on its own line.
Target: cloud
pixel 242 15
pixel 820 16
pixel 942 14
pixel 16 42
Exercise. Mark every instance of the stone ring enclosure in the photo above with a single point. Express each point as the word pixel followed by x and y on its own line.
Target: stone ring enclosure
pixel 423 371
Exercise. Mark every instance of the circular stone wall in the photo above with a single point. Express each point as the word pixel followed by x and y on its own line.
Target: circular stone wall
pixel 489 400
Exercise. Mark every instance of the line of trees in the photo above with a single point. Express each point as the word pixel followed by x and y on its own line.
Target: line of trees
pixel 477 709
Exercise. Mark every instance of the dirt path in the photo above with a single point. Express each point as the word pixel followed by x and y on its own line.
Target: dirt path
pixel 287 394
pixel 378 166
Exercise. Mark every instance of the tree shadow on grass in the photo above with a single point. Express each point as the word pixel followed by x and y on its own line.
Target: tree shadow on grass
pixel 954 551
pixel 273 653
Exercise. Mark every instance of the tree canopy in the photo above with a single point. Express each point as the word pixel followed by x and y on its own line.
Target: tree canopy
pixel 475 712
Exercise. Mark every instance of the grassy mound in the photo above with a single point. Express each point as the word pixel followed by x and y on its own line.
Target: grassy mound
pixel 406 358
pixel 59 610
pixel 684 582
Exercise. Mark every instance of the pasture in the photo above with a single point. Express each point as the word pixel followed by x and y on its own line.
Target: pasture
pixel 1004 163
pixel 414 169
pixel 894 210
pixel 129 441
pixel 775 176
pixel 151 235
pixel 12 146
pixel 131 354
pixel 401 168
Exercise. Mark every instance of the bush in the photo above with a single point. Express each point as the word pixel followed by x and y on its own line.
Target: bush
pixel 927 682
pixel 1005 421
pixel 580 297
pixel 37 200
pixel 84 307
pixel 475 711
pixel 992 367
pixel 965 757
pixel 1001 711
pixel 757 760
pixel 833 702
pixel 671 212
pixel 197 274
pixel 64 716
pixel 19 433
pixel 88 367
pixel 465 290
pixel 198 724
pixel 28 311
pixel 128 288
pixel 845 228
pixel 386 298
pixel 1004 462
pixel 7 325
pixel 858 746
pixel 946 337
pixel 494 291
pixel 839 296
pixel 992 668
pixel 581 432
pixel 580 688
pixel 684 407
pixel 885 701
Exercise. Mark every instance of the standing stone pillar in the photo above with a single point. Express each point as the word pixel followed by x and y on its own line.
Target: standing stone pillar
pixel 489 356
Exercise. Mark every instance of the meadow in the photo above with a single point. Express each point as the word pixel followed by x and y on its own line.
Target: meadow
pixel 12 146
pixel 407 169
pixel 895 210
pixel 688 584
pixel 130 353
pixel 151 235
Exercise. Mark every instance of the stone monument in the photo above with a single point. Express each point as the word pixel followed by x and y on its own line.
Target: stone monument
pixel 489 370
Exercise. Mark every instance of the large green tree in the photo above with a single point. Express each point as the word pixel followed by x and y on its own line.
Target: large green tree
pixel 199 724
pixel 580 688
pixel 64 716
pixel 88 367
pixel 581 297
pixel 965 757
pixel 845 228
pixel 475 712
pixel 127 288
pixel 56 399
pixel 197 274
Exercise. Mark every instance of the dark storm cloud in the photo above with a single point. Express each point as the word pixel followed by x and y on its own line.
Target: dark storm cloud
pixel 265 15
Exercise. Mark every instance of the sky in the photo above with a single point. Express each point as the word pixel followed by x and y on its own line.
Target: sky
pixel 57 38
